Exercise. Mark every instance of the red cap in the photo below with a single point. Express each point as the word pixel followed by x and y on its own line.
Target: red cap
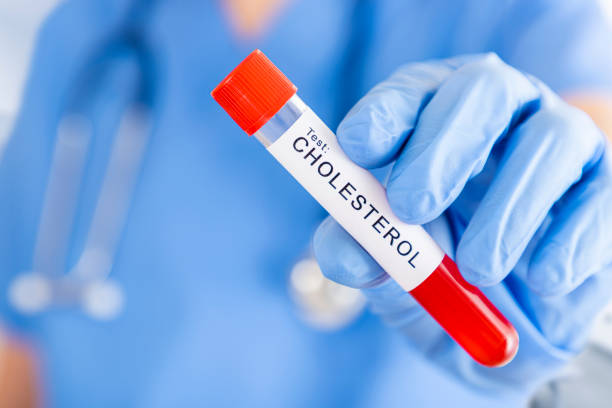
pixel 253 92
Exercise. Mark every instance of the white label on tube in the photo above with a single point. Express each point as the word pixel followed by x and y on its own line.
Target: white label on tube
pixel 357 200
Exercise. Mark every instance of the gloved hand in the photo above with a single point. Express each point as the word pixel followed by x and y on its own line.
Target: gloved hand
pixel 512 182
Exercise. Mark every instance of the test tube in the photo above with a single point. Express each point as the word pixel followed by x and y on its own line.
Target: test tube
pixel 264 103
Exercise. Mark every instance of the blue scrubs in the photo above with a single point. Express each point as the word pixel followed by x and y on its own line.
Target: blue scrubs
pixel 216 224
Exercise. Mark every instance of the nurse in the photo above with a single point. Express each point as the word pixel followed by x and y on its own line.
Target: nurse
pixel 515 183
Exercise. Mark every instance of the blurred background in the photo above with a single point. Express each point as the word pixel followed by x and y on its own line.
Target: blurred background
pixel 19 22
pixel 584 384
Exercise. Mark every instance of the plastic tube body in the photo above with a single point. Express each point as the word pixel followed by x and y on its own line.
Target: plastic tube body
pixel 274 128
pixel 460 308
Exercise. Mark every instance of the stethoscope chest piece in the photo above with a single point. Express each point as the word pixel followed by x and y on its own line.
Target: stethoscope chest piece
pixel 323 304
pixel 32 293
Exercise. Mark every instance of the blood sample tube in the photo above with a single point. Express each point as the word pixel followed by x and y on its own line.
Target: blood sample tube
pixel 264 103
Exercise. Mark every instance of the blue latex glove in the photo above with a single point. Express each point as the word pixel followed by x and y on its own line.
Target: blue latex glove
pixel 513 183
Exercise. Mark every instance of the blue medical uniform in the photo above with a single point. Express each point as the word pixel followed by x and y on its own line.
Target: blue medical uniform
pixel 216 224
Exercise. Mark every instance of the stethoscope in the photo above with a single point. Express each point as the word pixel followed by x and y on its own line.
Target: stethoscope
pixel 88 284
